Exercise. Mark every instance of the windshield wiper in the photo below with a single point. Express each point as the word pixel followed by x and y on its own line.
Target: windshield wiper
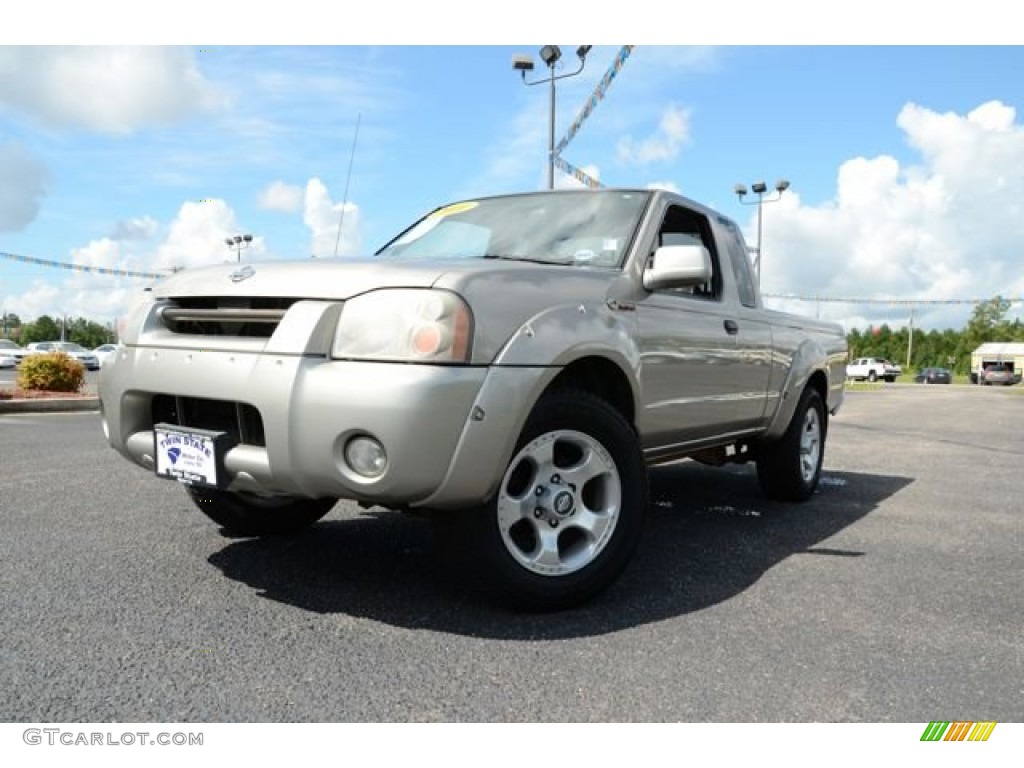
pixel 563 263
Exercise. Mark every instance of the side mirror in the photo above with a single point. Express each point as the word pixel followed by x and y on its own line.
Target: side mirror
pixel 677 266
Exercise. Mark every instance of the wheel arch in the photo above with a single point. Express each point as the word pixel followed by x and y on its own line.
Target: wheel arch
pixel 592 348
pixel 602 378
pixel 808 369
pixel 819 381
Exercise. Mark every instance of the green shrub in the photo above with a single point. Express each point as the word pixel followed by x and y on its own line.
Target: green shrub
pixel 51 372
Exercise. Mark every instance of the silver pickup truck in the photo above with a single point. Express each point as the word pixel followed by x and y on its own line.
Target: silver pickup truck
pixel 511 365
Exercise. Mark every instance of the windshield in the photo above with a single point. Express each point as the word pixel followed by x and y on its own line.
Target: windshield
pixel 584 228
pixel 67 346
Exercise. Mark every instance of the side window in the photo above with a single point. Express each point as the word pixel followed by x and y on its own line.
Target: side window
pixel 737 249
pixel 682 226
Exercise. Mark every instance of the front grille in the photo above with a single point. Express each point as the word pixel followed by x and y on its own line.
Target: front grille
pixel 256 317
pixel 240 420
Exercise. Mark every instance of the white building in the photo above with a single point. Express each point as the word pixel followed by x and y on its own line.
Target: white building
pixel 1009 353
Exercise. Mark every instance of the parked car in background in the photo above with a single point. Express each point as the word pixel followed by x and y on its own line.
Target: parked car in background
pixel 105 353
pixel 11 350
pixel 999 374
pixel 77 351
pixel 7 360
pixel 934 376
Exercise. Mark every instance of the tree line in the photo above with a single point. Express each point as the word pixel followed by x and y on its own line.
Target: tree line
pixel 944 349
pixel 80 330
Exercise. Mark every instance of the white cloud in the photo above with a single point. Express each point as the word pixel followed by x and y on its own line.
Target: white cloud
pixel 39 299
pixel 278 196
pixel 107 89
pixel 323 218
pixel 667 185
pixel 136 228
pixel 96 296
pixel 946 228
pixel 672 135
pixel 566 181
pixel 23 181
pixel 196 237
pixel 659 61
pixel 518 151
pixel 104 253
pixel 85 294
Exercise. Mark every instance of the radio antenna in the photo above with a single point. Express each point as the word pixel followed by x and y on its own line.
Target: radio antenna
pixel 348 178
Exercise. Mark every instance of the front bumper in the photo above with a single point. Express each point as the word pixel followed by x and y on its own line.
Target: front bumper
pixel 448 431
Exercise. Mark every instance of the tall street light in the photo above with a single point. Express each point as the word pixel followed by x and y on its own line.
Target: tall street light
pixel 759 188
pixel 549 54
pixel 238 243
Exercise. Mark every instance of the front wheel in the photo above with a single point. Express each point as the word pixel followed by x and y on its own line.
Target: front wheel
pixel 246 514
pixel 789 468
pixel 569 512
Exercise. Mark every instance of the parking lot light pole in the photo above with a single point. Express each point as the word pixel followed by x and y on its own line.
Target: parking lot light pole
pixel 759 188
pixel 238 243
pixel 550 54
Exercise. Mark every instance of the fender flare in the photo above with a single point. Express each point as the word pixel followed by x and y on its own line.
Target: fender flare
pixel 808 360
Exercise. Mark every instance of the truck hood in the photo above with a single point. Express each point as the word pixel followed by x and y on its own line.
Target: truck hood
pixel 502 294
pixel 314 279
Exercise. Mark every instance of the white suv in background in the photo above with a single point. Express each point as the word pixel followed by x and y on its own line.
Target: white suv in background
pixel 872 369
pixel 12 352
pixel 105 353
pixel 77 351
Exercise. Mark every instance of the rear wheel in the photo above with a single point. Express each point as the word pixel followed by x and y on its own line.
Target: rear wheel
pixel 872 376
pixel 568 514
pixel 789 468
pixel 246 514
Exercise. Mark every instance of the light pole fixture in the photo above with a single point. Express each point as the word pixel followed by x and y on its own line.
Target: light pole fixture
pixel 549 54
pixel 759 188
pixel 238 243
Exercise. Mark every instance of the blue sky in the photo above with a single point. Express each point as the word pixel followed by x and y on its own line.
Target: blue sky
pixel 906 163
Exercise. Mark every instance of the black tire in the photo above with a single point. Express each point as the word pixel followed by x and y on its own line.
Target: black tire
pixel 250 515
pixel 872 376
pixel 593 492
pixel 789 468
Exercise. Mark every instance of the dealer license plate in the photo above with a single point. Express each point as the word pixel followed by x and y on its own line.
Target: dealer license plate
pixel 193 456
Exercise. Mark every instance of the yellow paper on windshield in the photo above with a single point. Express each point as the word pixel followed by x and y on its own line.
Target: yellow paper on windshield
pixel 451 210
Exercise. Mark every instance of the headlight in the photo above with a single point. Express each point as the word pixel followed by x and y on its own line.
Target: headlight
pixel 409 324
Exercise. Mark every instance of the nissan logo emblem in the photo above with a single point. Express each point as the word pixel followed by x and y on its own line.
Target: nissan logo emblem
pixel 563 503
pixel 242 273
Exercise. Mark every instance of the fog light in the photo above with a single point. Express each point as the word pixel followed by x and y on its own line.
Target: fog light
pixel 366 456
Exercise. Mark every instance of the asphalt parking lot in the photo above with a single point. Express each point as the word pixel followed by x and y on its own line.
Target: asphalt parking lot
pixel 893 595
